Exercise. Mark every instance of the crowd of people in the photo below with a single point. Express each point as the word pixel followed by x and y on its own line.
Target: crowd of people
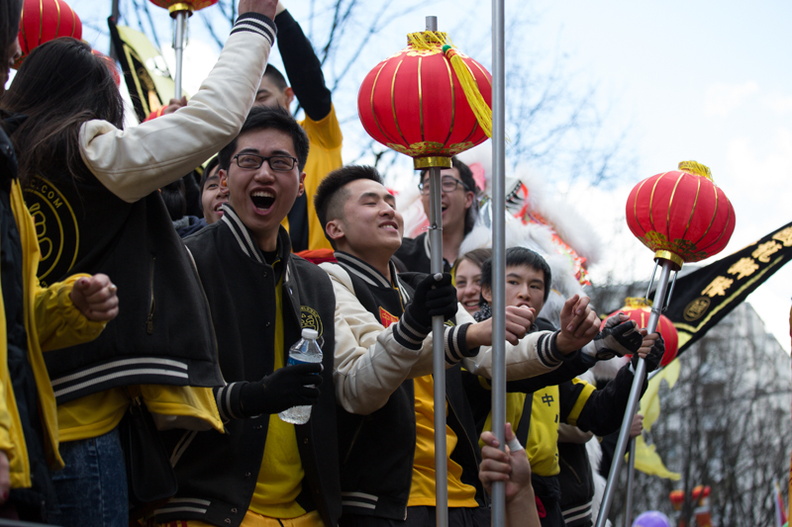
pixel 191 320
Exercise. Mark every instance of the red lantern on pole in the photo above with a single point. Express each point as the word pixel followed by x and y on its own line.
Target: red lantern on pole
pixel 639 310
pixel 428 101
pixel 45 20
pixel 681 215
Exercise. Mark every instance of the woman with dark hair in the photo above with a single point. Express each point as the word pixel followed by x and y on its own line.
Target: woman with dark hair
pixel 92 187
pixel 32 320
pixel 467 277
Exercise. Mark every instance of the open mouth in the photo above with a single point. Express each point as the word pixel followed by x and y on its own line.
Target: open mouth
pixel 262 200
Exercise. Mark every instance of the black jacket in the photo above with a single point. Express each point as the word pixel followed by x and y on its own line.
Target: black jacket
pixel 86 228
pixel 217 472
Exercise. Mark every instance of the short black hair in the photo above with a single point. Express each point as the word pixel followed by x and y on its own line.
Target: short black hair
pixel 330 195
pixel 466 176
pixel 276 77
pixel 277 118
pixel 520 256
pixel 207 170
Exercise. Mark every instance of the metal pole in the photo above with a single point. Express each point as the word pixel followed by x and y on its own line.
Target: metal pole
pixel 178 49
pixel 666 266
pixel 630 478
pixel 498 248
pixel 438 355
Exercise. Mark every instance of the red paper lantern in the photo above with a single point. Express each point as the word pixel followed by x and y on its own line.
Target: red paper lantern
pixel 677 498
pixel 45 20
pixel 681 215
pixel 639 310
pixel 174 6
pixel 416 103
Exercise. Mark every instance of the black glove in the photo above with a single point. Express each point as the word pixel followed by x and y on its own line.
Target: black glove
pixel 431 298
pixel 285 387
pixel 617 339
pixel 654 356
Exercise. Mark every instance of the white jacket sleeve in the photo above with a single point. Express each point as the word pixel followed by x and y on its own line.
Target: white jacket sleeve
pixel 534 354
pixel 135 162
pixel 372 361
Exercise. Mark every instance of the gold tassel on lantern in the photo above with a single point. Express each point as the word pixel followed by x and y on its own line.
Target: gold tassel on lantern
pixel 428 41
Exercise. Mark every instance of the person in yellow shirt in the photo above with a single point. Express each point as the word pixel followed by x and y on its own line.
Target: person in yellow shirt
pixel 308 87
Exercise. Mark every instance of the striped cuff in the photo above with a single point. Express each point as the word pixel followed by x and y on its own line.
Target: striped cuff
pixel 547 350
pixel 407 333
pixel 256 23
pixel 456 347
pixel 228 401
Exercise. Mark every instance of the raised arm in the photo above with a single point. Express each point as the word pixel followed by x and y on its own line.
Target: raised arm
pixel 135 162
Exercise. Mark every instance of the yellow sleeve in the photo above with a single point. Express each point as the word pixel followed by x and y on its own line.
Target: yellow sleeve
pixel 6 444
pixel 57 320
pixel 324 156
pixel 583 390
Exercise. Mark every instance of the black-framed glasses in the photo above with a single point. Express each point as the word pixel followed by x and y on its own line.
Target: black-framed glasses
pixel 278 163
pixel 448 184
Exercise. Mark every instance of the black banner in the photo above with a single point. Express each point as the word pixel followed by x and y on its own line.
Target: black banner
pixel 702 298
pixel 145 72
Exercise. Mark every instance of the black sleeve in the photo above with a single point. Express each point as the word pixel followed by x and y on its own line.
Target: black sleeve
pixel 573 365
pixel 302 67
pixel 604 411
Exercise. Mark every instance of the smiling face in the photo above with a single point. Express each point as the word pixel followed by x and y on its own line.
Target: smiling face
pixel 525 286
pixel 468 285
pixel 213 195
pixel 369 227
pixel 455 204
pixel 262 197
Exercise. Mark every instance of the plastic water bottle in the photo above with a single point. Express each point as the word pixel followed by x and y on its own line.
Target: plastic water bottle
pixel 304 350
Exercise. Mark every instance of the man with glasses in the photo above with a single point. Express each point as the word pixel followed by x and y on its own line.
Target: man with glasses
pixel 263 471
pixel 460 210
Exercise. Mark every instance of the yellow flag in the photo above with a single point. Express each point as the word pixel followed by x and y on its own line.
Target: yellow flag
pixel 647 460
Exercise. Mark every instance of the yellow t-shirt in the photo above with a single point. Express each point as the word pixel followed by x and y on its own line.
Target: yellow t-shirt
pixel 280 476
pixel 422 489
pixel 324 156
pixel 92 415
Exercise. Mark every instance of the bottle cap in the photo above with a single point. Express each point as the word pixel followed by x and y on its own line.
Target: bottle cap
pixel 308 333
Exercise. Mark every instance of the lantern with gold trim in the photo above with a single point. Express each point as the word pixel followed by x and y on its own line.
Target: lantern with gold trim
pixel 180 11
pixel 639 310
pixel 45 20
pixel 683 217
pixel 429 101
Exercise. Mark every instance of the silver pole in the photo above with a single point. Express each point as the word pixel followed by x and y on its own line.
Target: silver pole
pixel 178 49
pixel 438 355
pixel 498 247
pixel 630 479
pixel 666 266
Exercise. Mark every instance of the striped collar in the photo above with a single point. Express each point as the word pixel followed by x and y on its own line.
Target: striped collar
pixel 246 242
pixel 368 274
